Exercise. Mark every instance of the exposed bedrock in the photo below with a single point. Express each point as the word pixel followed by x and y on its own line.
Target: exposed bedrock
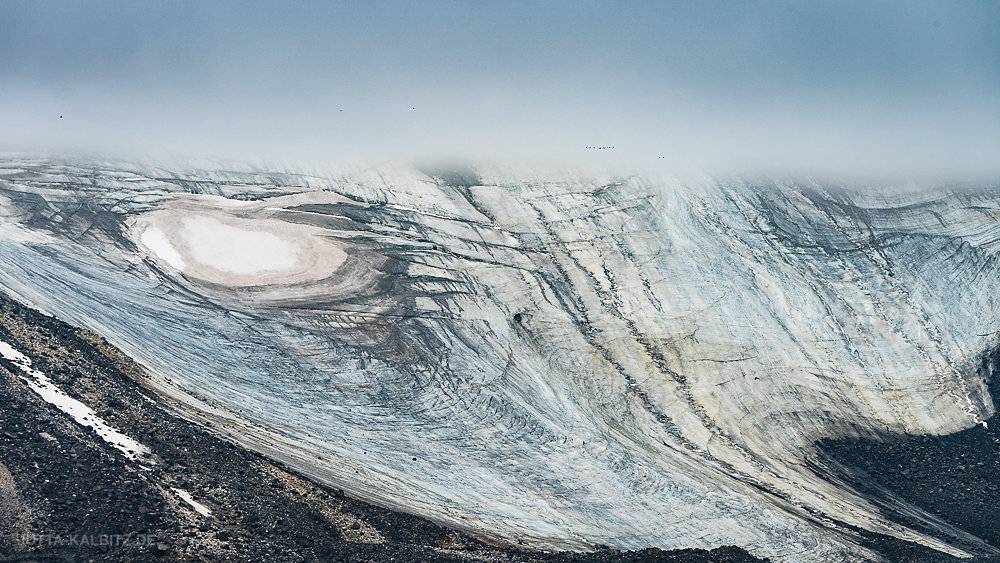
pixel 564 362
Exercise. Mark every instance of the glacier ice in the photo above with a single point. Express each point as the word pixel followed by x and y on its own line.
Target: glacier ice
pixel 566 362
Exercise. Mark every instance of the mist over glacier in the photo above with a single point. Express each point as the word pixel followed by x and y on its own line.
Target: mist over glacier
pixel 905 90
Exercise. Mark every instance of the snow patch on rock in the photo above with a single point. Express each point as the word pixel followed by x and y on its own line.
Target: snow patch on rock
pixel 81 413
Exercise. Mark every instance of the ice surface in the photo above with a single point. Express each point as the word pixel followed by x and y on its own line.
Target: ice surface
pixel 567 362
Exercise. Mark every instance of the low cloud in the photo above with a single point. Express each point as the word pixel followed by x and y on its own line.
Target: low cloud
pixel 892 89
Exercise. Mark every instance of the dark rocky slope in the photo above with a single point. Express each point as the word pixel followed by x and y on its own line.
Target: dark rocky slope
pixel 954 476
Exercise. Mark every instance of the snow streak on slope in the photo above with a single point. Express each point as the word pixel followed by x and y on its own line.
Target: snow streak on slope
pixel 563 362
pixel 81 413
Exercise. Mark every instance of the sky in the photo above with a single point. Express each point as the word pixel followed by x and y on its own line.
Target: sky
pixel 863 87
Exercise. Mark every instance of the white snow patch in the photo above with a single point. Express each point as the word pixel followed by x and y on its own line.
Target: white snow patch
pixel 158 243
pixel 238 251
pixel 242 249
pixel 186 497
pixel 80 412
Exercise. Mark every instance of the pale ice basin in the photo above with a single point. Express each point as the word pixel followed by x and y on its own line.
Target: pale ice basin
pixel 213 244
pixel 237 250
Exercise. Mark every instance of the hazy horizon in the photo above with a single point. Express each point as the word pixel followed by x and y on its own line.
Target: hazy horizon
pixel 875 88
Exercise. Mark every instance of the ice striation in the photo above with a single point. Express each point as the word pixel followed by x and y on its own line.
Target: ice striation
pixel 554 361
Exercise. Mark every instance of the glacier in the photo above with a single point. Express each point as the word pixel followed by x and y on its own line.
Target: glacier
pixel 558 361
